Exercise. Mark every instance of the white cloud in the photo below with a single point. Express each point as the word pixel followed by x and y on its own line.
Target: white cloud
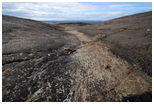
pixel 64 11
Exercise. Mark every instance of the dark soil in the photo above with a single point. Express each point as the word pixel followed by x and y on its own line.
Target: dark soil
pixel 128 37
pixel 109 61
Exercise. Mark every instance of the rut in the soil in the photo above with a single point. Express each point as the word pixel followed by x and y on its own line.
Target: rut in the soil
pixel 101 76
pixel 81 36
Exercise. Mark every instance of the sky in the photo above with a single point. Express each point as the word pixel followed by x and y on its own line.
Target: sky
pixel 73 10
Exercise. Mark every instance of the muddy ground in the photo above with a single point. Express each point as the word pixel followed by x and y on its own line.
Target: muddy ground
pixel 79 63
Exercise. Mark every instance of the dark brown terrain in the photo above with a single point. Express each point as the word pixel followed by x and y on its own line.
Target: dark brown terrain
pixel 109 61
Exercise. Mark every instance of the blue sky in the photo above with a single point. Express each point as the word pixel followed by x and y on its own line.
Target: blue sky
pixel 74 10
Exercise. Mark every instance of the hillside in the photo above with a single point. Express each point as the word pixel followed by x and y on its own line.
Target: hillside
pixel 130 38
pixel 106 61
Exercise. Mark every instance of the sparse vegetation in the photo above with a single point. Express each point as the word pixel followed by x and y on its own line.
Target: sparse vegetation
pixel 110 61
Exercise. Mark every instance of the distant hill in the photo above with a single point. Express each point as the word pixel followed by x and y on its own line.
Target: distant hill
pixel 73 21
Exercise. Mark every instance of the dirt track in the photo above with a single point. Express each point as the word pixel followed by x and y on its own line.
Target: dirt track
pixel 103 76
pixel 79 35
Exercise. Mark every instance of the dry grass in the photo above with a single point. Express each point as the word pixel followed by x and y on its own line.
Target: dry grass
pixel 101 76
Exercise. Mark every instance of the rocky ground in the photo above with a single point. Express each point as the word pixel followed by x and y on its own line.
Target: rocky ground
pixel 67 62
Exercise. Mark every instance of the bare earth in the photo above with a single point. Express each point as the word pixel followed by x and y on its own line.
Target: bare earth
pixel 79 35
pixel 37 65
pixel 104 73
